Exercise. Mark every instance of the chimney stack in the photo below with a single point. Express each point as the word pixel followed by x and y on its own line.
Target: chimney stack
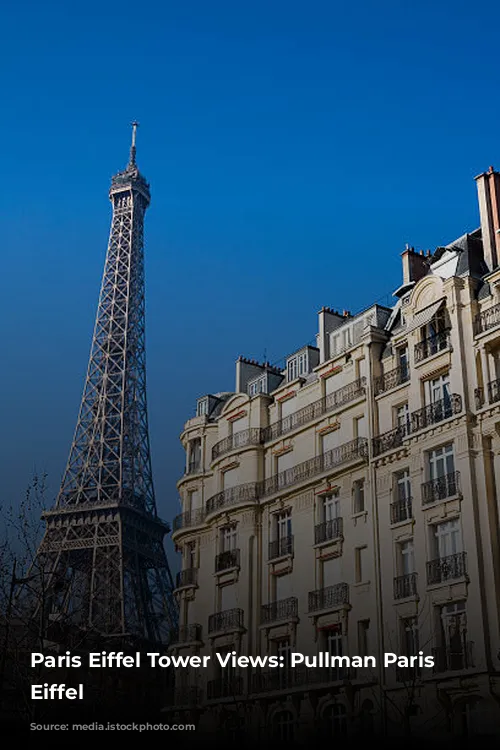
pixel 415 265
pixel 488 193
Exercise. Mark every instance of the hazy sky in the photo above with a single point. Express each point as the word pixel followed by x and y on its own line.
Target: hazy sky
pixel 292 148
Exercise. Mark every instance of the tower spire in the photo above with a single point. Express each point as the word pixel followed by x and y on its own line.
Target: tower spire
pixel 131 162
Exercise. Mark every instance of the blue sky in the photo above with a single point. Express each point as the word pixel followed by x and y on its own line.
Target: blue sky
pixel 292 150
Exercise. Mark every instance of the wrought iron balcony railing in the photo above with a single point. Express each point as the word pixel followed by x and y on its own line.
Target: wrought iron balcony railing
pixel 284 609
pixel 228 619
pixel 436 412
pixel 392 379
pixel 227 560
pixel 434 344
pixel 190 518
pixel 242 493
pixel 187 695
pixel 390 440
pixel 487 319
pixel 408 675
pixel 187 633
pixel 329 597
pixel 402 510
pixel 225 687
pixel 441 488
pixel 494 391
pixel 241 439
pixel 281 547
pixel 328 531
pixel 447 568
pixel 447 659
pixel 405 586
pixel 355 449
pixel 186 577
pixel 249 493
pixel 309 413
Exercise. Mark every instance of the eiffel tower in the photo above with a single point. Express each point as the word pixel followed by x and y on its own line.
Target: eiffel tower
pixel 102 557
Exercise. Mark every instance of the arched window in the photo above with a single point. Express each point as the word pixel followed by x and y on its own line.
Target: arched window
pixel 335 719
pixel 283 725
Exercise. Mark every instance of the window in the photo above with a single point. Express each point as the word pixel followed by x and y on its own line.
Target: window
pixel 438 389
pixel 194 463
pixel 455 650
pixel 202 407
pixel 361 368
pixel 402 359
pixel 330 508
pixel 333 646
pixel 228 538
pixel 193 501
pixel 227 597
pixel 302 364
pixel 447 538
pixel 292 369
pixel 402 485
pixel 359 496
pixel 283 525
pixel 347 338
pixel 282 587
pixel 441 462
pixel 335 719
pixel 360 427
pixel 402 416
pixel 330 572
pixel 361 563
pixel 283 726
pixel 363 638
pixel 407 557
pixel 284 650
pixel 410 640
pixel 329 441
pixel 257 386
pixel 190 555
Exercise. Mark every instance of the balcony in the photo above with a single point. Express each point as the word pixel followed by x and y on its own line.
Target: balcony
pixel 187 695
pixel 451 659
pixel 402 510
pixel 355 449
pixel 227 560
pixel 405 586
pixel 328 531
pixel 408 675
pixel 243 493
pixel 226 621
pixel 190 518
pixel 285 609
pixel 447 568
pixel 249 493
pixel 436 412
pixel 434 344
pixel 187 634
pixel 494 391
pixel 251 436
pixel 487 319
pixel 390 440
pixel 441 488
pixel 186 577
pixel 329 597
pixel 224 687
pixel 309 413
pixel 392 379
pixel 281 547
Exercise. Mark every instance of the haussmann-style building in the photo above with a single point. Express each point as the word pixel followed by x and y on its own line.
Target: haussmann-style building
pixel 349 503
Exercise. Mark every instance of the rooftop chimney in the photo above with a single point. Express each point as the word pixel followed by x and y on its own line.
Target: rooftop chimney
pixel 415 265
pixel 488 193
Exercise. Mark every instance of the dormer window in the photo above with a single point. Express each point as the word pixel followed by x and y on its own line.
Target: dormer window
pixel 202 407
pixel 257 386
pixel 300 364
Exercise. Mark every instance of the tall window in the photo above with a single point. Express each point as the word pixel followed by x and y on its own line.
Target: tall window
pixel 334 719
pixel 363 637
pixel 359 496
pixel 407 557
pixel 454 636
pixel 202 407
pixel 441 461
pixel 333 645
pixel 409 636
pixel 438 389
pixel 330 508
pixel 292 369
pixel 361 564
pixel 360 427
pixel 403 485
pixel 190 555
pixel 283 525
pixel 447 538
pixel 402 416
pixel 228 538
pixel 402 359
pixel 283 726
pixel 194 455
pixel 302 363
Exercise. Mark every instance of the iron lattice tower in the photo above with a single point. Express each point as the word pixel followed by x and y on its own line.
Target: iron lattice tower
pixel 102 556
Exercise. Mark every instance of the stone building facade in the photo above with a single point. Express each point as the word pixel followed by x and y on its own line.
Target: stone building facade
pixel 349 503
